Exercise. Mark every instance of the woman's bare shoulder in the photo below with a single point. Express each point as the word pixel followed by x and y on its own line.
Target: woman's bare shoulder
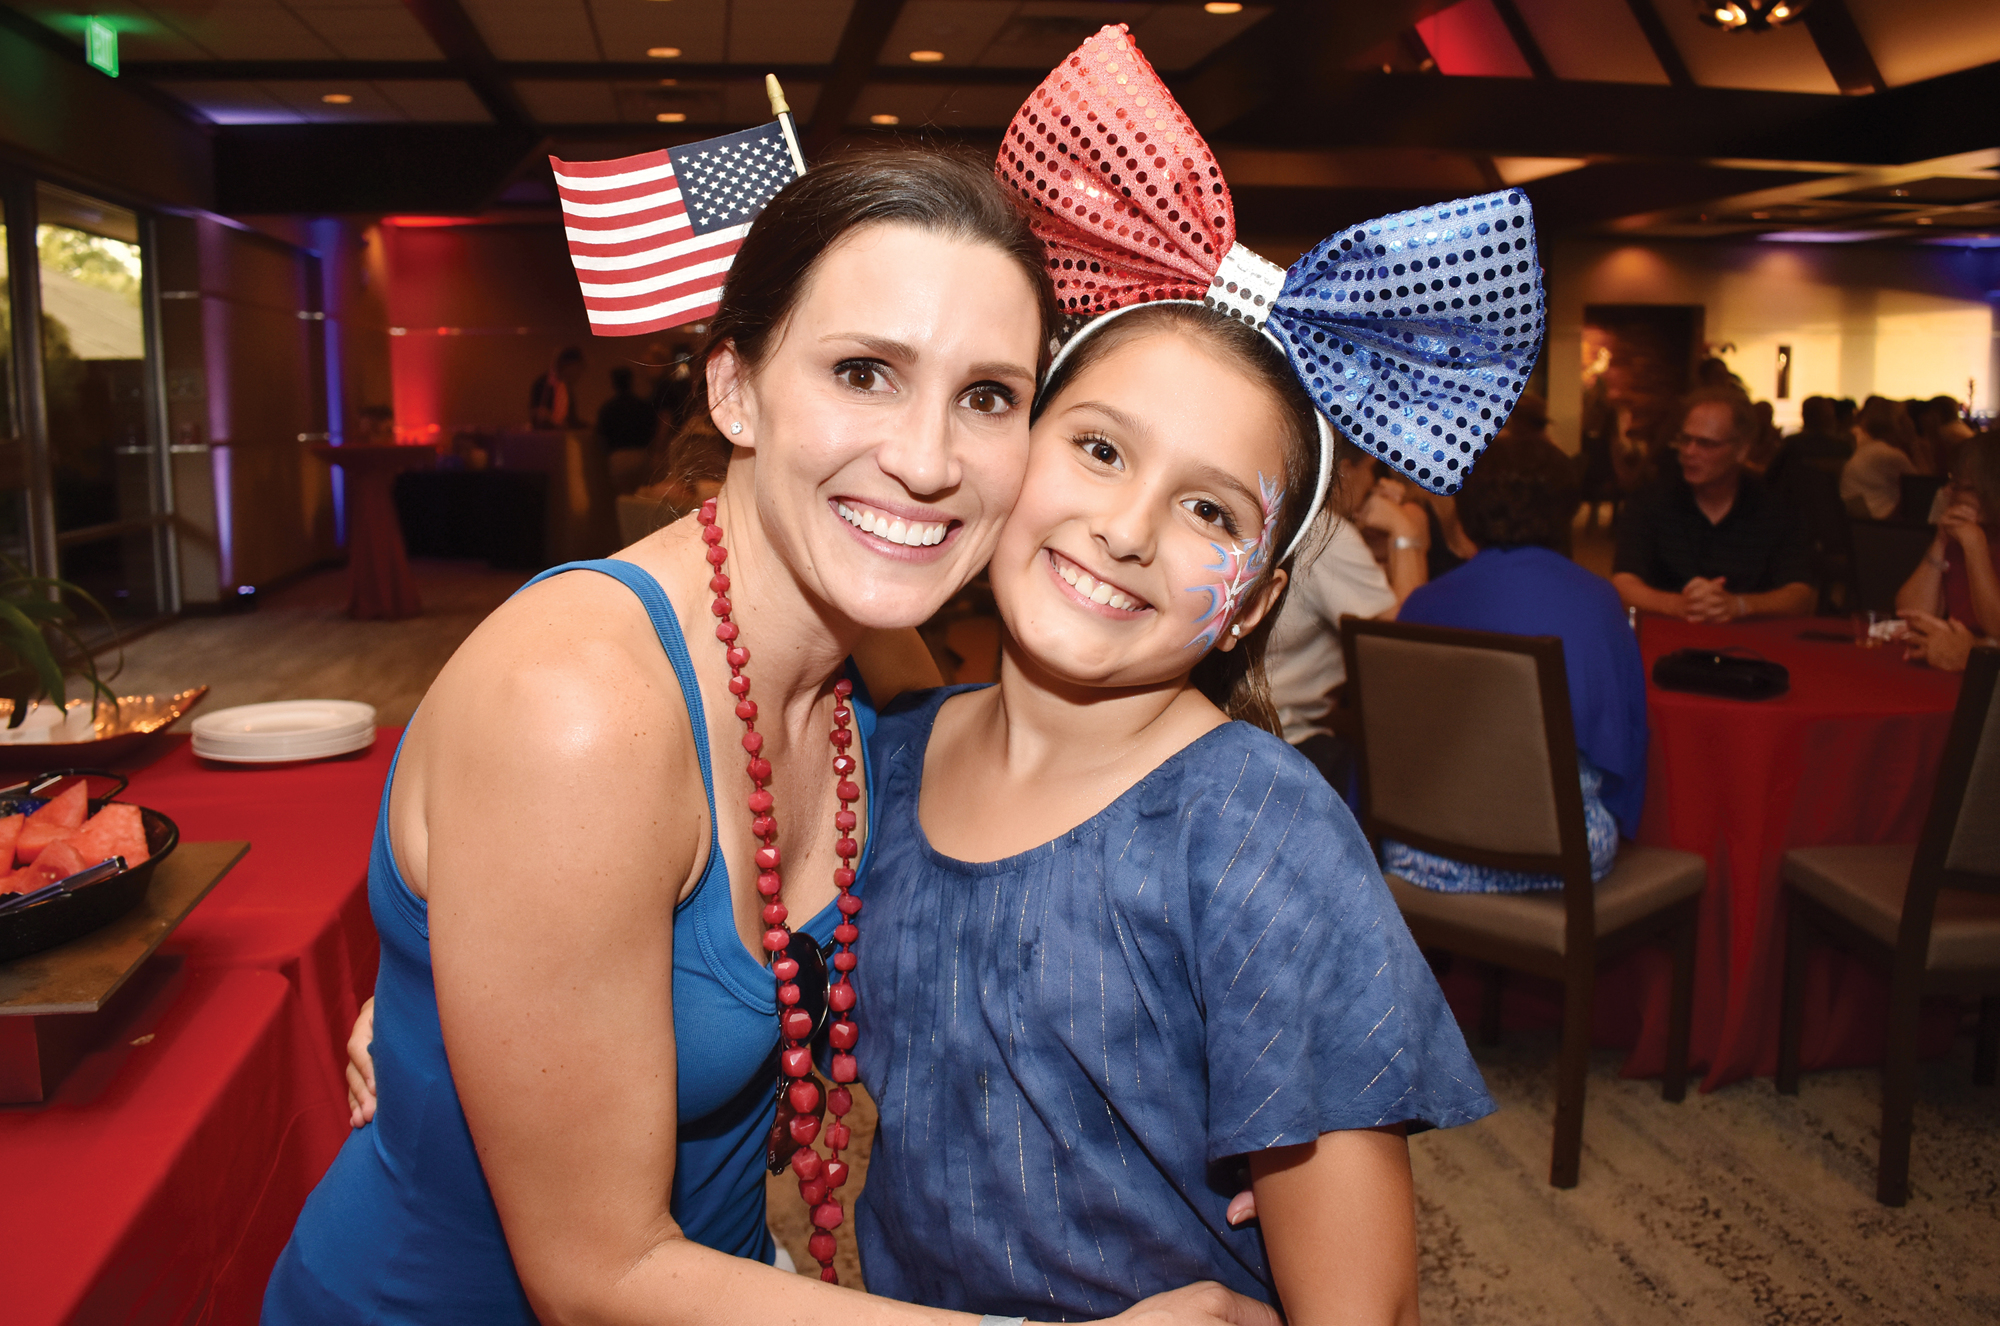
pixel 564 694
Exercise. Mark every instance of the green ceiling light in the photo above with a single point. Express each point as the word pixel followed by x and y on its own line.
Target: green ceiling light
pixel 100 45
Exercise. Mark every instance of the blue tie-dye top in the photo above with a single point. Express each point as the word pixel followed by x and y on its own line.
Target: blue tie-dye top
pixel 1073 1048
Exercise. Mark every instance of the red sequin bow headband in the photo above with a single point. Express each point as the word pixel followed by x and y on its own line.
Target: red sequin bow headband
pixel 1412 333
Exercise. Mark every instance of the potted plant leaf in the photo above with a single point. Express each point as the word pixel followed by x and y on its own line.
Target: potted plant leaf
pixel 41 647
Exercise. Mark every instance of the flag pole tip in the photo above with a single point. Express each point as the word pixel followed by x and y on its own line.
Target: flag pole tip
pixel 776 94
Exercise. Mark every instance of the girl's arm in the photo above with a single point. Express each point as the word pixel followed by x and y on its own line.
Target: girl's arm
pixel 1340 1224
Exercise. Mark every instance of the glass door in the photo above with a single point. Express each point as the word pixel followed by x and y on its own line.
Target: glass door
pixel 104 468
pixel 13 444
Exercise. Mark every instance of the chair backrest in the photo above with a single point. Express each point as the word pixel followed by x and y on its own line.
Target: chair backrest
pixel 1960 847
pixel 1918 492
pixel 1885 552
pixel 1467 747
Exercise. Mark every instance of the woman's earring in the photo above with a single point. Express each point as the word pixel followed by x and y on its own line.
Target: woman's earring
pixel 1236 632
pixel 736 428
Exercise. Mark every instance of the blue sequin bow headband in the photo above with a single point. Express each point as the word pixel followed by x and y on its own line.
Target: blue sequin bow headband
pixel 1413 333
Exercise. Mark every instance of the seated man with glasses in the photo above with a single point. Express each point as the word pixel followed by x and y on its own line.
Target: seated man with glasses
pixel 1710 541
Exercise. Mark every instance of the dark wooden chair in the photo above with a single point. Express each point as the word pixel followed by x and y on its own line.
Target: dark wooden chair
pixel 1468 750
pixel 1927 915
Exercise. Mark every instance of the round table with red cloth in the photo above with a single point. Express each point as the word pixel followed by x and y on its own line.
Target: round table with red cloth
pixel 381 584
pixel 1848 755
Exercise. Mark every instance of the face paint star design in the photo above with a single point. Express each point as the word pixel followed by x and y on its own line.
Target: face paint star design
pixel 1237 567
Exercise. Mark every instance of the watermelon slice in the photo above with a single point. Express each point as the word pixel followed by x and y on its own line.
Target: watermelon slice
pixel 67 810
pixel 58 819
pixel 116 830
pixel 10 833
pixel 36 836
pixel 57 861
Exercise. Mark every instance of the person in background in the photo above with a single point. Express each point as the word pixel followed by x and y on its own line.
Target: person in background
pixel 1953 597
pixel 627 424
pixel 1844 423
pixel 1517 506
pixel 1766 438
pixel 674 383
pixel 1302 662
pixel 552 400
pixel 1710 541
pixel 1942 429
pixel 1820 439
pixel 1871 482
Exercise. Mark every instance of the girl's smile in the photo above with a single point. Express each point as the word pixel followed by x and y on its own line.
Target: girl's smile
pixel 1095 593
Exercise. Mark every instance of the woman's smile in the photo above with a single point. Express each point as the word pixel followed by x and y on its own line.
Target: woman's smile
pixel 897 530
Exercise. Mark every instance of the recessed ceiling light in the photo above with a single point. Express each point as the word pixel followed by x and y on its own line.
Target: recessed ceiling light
pixel 337 98
pixel 1899 193
pixel 885 119
pixel 927 57
pixel 1223 7
pixel 664 52
pixel 672 117
pixel 1923 221
pixel 670 82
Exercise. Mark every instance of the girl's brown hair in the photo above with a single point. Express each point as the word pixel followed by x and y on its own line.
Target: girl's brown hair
pixel 945 193
pixel 1233 680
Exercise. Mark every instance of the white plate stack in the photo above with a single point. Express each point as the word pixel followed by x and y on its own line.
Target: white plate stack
pixel 285 730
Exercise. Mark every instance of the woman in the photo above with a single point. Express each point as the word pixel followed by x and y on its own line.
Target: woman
pixel 1953 597
pixel 1871 482
pixel 1517 507
pixel 594 1147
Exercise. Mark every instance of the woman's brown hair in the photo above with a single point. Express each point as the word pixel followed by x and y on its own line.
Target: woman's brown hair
pixel 1234 679
pixel 952 194
pixel 1976 465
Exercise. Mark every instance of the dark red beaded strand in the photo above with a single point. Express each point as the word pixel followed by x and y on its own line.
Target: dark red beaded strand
pixel 819 1176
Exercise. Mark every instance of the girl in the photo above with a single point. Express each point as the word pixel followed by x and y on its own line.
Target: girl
pixel 1120 944
pixel 576 1048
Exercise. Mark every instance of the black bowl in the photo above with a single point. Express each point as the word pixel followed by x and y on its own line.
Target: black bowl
pixel 65 917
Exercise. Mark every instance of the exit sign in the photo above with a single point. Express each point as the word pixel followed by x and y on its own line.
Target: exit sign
pixel 100 45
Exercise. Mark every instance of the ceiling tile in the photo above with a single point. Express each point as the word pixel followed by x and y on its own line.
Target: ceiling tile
pixel 640 103
pixel 961 29
pixel 1469 39
pixel 1783 60
pixel 233 103
pixel 568 102
pixel 627 28
pixel 1041 32
pixel 1181 36
pixel 435 101
pixel 979 107
pixel 246 30
pixel 368 107
pixel 368 32
pixel 1912 42
pixel 1598 43
pixel 537 29
pixel 911 104
pixel 786 31
pixel 744 102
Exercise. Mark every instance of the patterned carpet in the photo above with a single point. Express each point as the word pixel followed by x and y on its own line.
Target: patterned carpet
pixel 1739 1207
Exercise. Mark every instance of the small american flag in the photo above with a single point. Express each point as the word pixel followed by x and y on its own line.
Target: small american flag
pixel 653 235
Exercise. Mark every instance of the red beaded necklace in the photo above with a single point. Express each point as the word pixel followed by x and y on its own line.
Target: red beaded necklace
pixel 819 1177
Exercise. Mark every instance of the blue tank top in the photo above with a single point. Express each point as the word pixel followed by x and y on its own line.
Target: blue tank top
pixel 402 1228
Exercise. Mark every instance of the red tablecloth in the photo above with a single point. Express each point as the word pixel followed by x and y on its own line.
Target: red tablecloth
pixel 1848 755
pixel 381 584
pixel 163 1179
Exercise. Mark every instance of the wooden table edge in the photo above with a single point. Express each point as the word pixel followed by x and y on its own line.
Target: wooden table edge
pixel 217 859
